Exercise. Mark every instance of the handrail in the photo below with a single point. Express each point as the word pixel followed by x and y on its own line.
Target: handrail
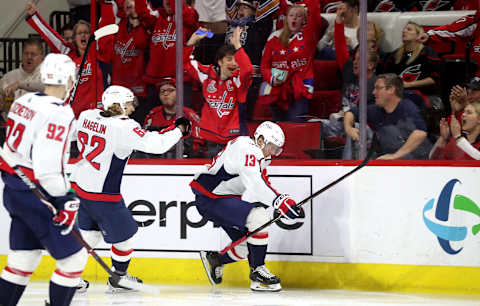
pixel 16 23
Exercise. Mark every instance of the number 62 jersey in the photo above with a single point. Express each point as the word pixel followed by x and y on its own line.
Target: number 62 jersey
pixel 38 133
pixel 105 144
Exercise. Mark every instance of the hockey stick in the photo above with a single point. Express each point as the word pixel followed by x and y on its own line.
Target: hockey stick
pixel 102 32
pixel 304 201
pixel 116 278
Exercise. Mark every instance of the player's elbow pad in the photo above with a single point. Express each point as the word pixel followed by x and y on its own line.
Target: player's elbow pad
pixel 55 185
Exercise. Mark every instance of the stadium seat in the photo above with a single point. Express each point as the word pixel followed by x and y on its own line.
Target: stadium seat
pixel 299 137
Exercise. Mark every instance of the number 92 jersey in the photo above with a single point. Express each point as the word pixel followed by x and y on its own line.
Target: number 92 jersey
pixel 38 133
pixel 236 171
pixel 105 144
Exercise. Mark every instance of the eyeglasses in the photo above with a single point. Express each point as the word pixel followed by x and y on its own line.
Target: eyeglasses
pixel 380 87
pixel 83 33
pixel 166 91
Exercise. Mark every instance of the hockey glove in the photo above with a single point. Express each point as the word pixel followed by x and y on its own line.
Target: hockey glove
pixel 286 206
pixel 67 212
pixel 186 125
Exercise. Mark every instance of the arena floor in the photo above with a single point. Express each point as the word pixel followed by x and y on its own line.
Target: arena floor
pixel 175 295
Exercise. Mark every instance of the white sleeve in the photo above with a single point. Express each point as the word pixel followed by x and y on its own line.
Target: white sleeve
pixel 49 152
pixel 257 187
pixel 466 147
pixel 152 142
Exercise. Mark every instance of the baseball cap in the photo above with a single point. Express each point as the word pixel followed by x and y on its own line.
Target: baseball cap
pixel 165 81
pixel 474 83
pixel 250 3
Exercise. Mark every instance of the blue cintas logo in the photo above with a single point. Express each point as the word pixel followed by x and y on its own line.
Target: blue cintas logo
pixel 447 233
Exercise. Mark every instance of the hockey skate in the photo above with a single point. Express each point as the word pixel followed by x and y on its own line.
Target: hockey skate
pixel 114 287
pixel 212 265
pixel 82 286
pixel 262 280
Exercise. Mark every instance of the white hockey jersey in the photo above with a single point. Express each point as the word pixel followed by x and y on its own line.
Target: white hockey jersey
pixel 237 171
pixel 105 144
pixel 38 133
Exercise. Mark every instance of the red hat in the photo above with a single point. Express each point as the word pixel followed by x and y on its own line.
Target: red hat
pixel 165 81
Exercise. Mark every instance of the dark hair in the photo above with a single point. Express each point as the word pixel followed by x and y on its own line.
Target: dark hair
pixel 393 80
pixel 224 51
pixel 352 3
pixel 66 27
pixel 35 42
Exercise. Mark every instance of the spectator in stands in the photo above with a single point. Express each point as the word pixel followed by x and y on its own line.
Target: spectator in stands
pixel 287 63
pixel 459 141
pixel 461 31
pixel 419 67
pixel 165 115
pixel 67 33
pixel 224 89
pixel 350 67
pixel 258 27
pixel 348 11
pixel 161 22
pixel 462 96
pixel 126 52
pixel 402 133
pixel 415 63
pixel 25 78
pixel 88 92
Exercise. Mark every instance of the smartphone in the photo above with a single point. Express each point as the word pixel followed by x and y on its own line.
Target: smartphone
pixel 201 32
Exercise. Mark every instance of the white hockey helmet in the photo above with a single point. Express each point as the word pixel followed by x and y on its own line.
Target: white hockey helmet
pixel 117 94
pixel 272 133
pixel 56 69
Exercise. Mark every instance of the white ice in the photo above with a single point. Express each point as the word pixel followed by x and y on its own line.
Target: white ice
pixel 179 295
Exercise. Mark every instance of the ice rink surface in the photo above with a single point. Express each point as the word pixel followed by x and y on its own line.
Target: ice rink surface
pixel 176 295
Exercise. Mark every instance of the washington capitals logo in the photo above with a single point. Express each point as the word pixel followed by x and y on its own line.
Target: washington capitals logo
pixel 164 37
pixel 223 107
pixel 125 54
pixel 412 73
pixel 438 223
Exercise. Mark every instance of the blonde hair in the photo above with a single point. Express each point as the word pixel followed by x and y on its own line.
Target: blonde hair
pixel 378 31
pixel 476 106
pixel 75 29
pixel 114 110
pixel 418 48
pixel 286 33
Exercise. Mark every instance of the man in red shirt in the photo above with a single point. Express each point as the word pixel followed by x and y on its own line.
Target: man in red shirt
pixel 164 115
pixel 224 89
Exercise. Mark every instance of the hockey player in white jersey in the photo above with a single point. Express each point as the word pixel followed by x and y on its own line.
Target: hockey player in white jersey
pixel 37 135
pixel 105 139
pixel 226 193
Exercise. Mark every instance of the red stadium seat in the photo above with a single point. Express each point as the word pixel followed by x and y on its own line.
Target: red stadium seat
pixel 327 76
pixel 325 102
pixel 298 138
pixel 327 84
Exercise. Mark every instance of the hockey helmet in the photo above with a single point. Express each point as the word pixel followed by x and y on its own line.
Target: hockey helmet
pixel 117 94
pixel 272 134
pixel 56 69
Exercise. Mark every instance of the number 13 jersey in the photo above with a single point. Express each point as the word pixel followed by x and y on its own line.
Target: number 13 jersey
pixel 237 171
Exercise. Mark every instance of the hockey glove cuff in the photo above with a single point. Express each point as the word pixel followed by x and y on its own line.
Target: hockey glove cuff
pixel 286 206
pixel 186 125
pixel 67 212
